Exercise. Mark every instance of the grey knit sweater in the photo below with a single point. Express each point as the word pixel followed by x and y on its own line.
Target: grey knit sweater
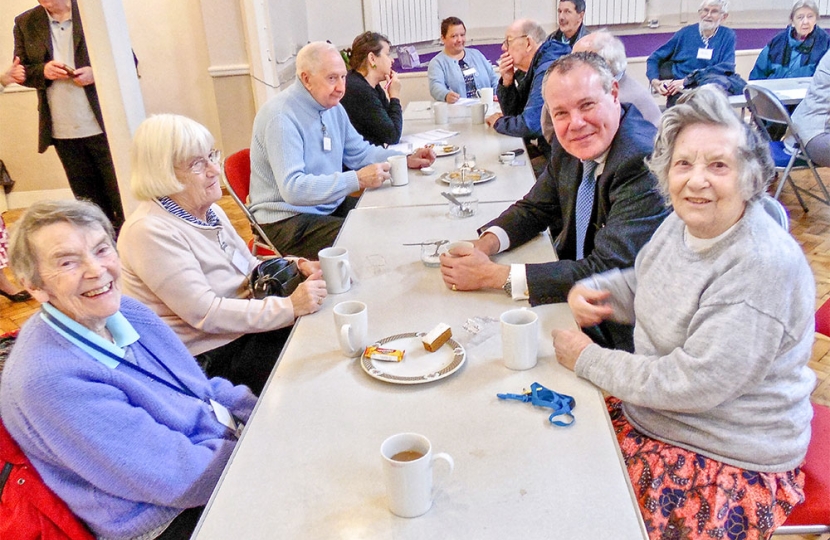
pixel 722 340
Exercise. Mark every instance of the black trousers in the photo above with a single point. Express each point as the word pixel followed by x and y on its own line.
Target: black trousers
pixel 304 235
pixel 88 165
pixel 247 360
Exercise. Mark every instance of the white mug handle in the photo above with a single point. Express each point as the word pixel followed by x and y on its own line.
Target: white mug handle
pixel 346 340
pixel 444 457
pixel 345 272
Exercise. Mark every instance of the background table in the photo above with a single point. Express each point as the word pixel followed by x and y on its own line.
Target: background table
pixel 790 91
pixel 308 464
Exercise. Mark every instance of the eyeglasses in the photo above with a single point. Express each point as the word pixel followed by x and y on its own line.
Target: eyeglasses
pixel 200 165
pixel 714 12
pixel 507 41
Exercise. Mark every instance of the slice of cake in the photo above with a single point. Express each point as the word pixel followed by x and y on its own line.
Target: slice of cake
pixel 437 337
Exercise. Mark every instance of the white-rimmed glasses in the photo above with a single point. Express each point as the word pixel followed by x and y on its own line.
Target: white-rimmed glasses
pixel 200 165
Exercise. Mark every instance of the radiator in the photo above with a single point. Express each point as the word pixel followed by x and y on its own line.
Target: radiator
pixel 607 12
pixel 405 21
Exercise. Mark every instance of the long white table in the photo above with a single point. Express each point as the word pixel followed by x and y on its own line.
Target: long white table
pixel 510 184
pixel 790 91
pixel 308 463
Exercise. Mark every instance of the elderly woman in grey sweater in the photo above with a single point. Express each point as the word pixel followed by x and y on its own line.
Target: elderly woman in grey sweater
pixel 712 410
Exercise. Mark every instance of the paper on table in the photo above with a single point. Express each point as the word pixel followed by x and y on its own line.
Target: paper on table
pixel 432 136
pixel 467 101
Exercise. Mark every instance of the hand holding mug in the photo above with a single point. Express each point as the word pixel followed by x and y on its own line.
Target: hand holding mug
pixel 309 295
pixel 373 175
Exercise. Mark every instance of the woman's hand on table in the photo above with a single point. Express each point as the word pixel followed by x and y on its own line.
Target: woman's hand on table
pixel 420 158
pixel 569 344
pixel 309 296
pixel 452 97
pixel 588 305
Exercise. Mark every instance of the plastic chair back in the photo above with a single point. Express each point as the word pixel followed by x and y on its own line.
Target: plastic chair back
pixel 237 178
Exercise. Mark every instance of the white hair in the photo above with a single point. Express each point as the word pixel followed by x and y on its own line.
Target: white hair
pixel 310 56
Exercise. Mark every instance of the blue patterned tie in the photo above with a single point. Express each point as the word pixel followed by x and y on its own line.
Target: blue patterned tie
pixel 584 205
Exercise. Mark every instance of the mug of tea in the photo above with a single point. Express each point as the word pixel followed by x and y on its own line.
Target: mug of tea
pixel 337 272
pixel 351 322
pixel 407 468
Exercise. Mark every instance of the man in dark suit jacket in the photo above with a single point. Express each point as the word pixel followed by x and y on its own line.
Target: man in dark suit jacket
pixel 69 113
pixel 590 125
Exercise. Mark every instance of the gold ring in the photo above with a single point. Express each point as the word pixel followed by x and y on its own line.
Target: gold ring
pixel 454 287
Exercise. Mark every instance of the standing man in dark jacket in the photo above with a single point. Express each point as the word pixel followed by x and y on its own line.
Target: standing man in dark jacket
pixel 49 40
pixel 525 49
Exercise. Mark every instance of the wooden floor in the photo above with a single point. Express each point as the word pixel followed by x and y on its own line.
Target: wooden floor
pixel 811 230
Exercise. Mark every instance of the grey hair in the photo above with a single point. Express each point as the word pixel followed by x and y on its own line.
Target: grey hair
pixel 798 4
pixel 22 255
pixel 709 105
pixel 310 56
pixel 533 30
pixel 722 4
pixel 567 63
pixel 610 47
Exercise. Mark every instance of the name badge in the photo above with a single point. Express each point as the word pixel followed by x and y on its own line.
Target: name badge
pixel 223 415
pixel 240 262
pixel 326 144
pixel 469 71
pixel 704 54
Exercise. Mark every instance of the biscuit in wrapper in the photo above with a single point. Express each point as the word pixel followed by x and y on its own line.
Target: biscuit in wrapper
pixel 373 352
pixel 437 337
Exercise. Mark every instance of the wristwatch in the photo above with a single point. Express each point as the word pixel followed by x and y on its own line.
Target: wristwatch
pixel 508 286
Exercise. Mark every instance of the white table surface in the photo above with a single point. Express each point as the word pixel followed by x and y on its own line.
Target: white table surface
pixel 308 464
pixel 790 91
pixel 511 182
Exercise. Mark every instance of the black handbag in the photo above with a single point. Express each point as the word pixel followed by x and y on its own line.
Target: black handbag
pixel 274 277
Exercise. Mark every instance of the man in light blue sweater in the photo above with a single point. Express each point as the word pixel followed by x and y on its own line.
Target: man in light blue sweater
pixel 301 144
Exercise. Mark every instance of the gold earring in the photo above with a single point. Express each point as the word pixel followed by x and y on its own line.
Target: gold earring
pixel 374 66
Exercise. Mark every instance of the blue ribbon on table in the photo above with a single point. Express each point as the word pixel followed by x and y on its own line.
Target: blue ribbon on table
pixel 540 396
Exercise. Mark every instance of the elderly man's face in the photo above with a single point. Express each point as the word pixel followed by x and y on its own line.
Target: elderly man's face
pixel 711 16
pixel 703 179
pixel 569 18
pixel 519 46
pixel 585 117
pixel 327 83
pixel 80 272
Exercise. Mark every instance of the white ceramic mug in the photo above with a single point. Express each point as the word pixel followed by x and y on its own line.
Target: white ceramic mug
pixel 440 112
pixel 399 170
pixel 486 96
pixel 407 468
pixel 477 113
pixel 519 338
pixel 459 248
pixel 351 320
pixel 337 272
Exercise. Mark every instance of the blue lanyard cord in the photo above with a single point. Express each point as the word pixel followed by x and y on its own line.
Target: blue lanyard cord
pixel 182 388
pixel 540 396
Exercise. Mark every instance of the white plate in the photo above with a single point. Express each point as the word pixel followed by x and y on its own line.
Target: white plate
pixel 442 150
pixel 484 176
pixel 418 365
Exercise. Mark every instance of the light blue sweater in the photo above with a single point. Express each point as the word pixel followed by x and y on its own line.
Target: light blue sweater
pixel 290 172
pixel 445 75
pixel 126 453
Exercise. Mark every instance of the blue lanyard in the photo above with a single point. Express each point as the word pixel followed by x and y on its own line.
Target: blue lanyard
pixel 540 396
pixel 182 388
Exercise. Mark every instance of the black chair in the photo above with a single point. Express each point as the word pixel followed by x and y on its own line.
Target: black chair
pixel 765 108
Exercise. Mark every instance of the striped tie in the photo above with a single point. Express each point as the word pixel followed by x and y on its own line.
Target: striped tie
pixel 584 205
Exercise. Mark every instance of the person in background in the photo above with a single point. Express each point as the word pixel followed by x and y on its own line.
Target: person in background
pixel 611 48
pixel 796 50
pixel 812 116
pixel 184 260
pixel 373 90
pixel 456 71
pixel 712 409
pixel 526 50
pixel 596 197
pixel 15 74
pixel 302 140
pixel 570 16
pixel 697 54
pixel 49 40
pixel 100 394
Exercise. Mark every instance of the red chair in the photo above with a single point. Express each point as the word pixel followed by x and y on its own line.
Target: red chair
pixel 237 178
pixel 813 515
pixel 823 319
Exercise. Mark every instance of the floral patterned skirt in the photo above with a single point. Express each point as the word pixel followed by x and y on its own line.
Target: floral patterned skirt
pixel 684 495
